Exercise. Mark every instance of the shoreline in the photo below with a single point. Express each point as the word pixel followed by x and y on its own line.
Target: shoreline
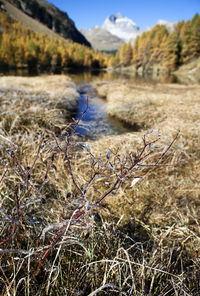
pixel 146 106
pixel 187 74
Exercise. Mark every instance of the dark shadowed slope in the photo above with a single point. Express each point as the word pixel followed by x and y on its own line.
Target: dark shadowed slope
pixel 45 18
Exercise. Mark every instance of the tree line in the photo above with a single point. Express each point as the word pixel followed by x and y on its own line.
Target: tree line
pixel 159 46
pixel 23 47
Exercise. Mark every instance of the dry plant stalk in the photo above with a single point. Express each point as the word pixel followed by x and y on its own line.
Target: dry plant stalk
pixel 113 167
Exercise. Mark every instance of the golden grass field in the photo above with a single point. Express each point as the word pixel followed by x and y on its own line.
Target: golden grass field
pixel 172 193
pixel 145 239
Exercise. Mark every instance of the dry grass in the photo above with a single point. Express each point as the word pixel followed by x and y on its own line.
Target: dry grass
pixel 143 240
pixel 170 196
pixel 147 105
pixel 168 108
pixel 55 86
pixel 30 104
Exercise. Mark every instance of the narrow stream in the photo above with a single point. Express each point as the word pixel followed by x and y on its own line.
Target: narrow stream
pixel 96 122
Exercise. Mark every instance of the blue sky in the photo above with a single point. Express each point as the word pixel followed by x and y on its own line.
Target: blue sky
pixel 145 13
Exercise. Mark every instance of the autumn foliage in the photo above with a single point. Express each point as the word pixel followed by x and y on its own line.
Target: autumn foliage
pixel 159 46
pixel 22 47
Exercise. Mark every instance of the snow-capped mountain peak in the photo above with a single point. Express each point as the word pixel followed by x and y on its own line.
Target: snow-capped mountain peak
pixel 122 27
pixel 118 17
pixel 114 17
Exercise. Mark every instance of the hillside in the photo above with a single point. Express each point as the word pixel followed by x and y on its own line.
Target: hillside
pixel 21 47
pixel 44 18
pixel 102 40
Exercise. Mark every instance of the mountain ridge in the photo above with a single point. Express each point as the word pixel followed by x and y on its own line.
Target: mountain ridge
pixel 57 22
pixel 115 30
pixel 102 40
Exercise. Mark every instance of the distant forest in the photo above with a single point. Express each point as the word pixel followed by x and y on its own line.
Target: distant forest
pixel 23 47
pixel 159 46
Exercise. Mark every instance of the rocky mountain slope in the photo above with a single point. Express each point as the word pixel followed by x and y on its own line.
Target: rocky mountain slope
pixel 102 40
pixel 44 17
pixel 115 30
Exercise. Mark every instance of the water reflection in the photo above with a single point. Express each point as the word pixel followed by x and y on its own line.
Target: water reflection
pixel 86 76
pixel 89 76
pixel 20 72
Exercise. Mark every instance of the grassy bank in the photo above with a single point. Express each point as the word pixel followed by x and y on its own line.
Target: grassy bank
pixel 141 240
pixel 189 72
pixel 171 195
pixel 30 104
pixel 150 105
